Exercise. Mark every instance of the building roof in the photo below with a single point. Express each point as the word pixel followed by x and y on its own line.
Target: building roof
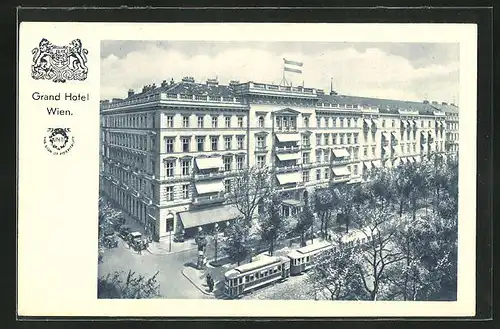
pixel 385 105
pixel 447 108
pixel 188 88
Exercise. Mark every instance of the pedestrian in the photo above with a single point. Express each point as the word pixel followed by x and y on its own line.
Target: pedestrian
pixel 211 285
pixel 209 277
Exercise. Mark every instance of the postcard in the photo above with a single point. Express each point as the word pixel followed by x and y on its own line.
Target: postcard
pixel 247 170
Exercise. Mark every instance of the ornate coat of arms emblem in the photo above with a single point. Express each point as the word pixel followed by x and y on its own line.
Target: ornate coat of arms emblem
pixel 59 63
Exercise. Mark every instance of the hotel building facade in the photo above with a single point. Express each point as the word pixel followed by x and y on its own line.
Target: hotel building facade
pixel 169 153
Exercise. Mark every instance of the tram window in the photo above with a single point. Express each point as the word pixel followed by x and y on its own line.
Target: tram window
pixel 279 267
pixel 257 275
pixel 246 278
pixel 308 259
pixel 240 280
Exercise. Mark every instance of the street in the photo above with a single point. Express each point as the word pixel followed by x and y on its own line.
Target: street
pixel 173 284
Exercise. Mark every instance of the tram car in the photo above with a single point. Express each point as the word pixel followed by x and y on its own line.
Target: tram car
pixel 302 259
pixel 358 238
pixel 248 277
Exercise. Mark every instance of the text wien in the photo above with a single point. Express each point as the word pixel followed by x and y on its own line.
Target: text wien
pixel 57 111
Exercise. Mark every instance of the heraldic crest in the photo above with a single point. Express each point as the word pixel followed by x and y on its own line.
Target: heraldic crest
pixel 59 63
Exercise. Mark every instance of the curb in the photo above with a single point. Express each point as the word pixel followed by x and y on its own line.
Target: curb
pixel 194 284
pixel 168 252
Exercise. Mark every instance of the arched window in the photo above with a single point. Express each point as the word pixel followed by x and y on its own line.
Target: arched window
pixel 261 122
pixel 306 122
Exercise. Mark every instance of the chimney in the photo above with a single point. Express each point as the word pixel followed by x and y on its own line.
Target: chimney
pixel 444 103
pixel 153 86
pixel 234 82
pixel 144 89
pixel 426 102
pixel 164 83
pixel 130 93
pixel 434 102
pixel 212 82
pixel 171 81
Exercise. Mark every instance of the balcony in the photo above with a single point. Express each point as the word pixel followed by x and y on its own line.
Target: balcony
pixel 287 149
pixel 211 175
pixel 208 199
pixel 305 146
pixel 341 179
pixel 261 148
pixel 287 169
pixel 286 129
pixel 338 162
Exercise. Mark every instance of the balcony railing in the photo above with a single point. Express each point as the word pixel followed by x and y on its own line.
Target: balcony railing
pixel 211 175
pixel 286 129
pixel 341 162
pixel 287 149
pixel 306 146
pixel 341 178
pixel 287 169
pixel 261 148
pixel 199 200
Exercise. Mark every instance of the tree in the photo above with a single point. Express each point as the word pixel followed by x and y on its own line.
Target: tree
pixel 134 286
pixel 201 240
pixel 379 228
pixel 345 199
pixel 271 223
pixel 323 206
pixel 236 245
pixel 305 222
pixel 335 274
pixel 250 187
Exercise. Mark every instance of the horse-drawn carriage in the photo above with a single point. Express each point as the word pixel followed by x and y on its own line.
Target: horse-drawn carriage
pixel 136 241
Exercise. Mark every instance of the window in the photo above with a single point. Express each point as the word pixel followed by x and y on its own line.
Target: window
pixel 227 163
pixel 305 158
pixel 214 122
pixel 170 121
pixel 227 185
pixel 334 139
pixel 349 123
pixel 342 139
pixel 356 153
pixel 318 139
pixel 169 193
pixel 393 123
pixel 318 156
pixel 355 169
pixel 407 148
pixel 200 121
pixel 318 122
pixel 306 122
pixel 348 138
pixel 356 138
pixel 260 142
pixel 186 167
pixel 170 223
pixel 185 191
pixel 227 142
pixel 305 176
pixel 261 122
pixel 341 122
pixel 327 156
pixel 327 122
pixel 429 124
pixel 214 142
pixel 239 162
pixel 414 147
pixel 227 120
pixel 169 144
pixel 200 142
pixel 327 139
pixel 240 122
pixel 240 140
pixel 185 144
pixel 260 161
pixel 185 121
pixel 318 174
pixel 327 173
pixel 373 150
pixel 169 168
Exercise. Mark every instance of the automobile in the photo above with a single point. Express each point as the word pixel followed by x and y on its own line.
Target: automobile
pixel 124 232
pixel 136 241
pixel 117 223
pixel 179 238
pixel 110 241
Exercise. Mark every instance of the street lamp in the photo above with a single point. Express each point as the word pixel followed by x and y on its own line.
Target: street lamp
pixel 216 236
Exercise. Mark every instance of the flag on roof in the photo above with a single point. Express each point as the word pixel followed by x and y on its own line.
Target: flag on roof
pixel 293 66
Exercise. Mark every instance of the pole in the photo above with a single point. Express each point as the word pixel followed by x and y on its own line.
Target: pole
pixel 170 242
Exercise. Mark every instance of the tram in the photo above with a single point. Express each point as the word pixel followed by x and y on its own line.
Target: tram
pixel 248 277
pixel 302 259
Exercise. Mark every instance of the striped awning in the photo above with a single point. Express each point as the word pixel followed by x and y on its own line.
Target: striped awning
pixel 206 187
pixel 209 163
pixel 368 164
pixel 208 216
pixel 340 153
pixel 368 122
pixel 377 163
pixel 404 160
pixel 287 178
pixel 288 156
pixel 288 137
pixel 341 171
pixel 411 160
pixel 388 163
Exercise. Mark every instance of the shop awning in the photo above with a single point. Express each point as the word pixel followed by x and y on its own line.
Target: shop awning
pixel 209 187
pixel 287 178
pixel 209 163
pixel 340 153
pixel 388 163
pixel 288 137
pixel 404 123
pixel 208 216
pixel 404 160
pixel 292 203
pixel 377 163
pixel 368 122
pixel 387 149
pixel 397 162
pixel 368 165
pixel 288 156
pixel 411 160
pixel 341 171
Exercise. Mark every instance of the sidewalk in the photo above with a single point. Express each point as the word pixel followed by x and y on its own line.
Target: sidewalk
pixel 166 248
pixel 198 279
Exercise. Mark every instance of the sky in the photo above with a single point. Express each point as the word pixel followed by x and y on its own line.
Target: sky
pixel 405 71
